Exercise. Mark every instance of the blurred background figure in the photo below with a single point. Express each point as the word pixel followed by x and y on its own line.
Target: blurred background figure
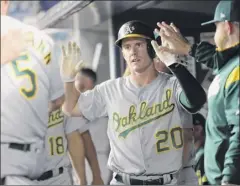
pixel 97 128
pixel 199 140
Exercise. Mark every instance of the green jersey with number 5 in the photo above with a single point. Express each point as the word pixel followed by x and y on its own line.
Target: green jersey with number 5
pixel 27 86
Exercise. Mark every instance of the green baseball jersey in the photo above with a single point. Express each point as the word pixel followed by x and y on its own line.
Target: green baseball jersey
pixel 222 145
pixel 222 148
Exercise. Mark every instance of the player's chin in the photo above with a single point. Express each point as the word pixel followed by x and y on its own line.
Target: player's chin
pixel 139 69
pixel 136 67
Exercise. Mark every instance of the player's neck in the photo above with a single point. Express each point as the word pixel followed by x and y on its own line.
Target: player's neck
pixel 144 78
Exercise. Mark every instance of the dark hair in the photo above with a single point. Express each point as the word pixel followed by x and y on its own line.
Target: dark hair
pixel 89 73
pixel 198 119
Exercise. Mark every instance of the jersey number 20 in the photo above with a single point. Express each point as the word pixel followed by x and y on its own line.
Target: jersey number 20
pixel 25 73
pixel 163 141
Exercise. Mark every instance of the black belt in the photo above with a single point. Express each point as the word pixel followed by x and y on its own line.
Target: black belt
pixel 49 174
pixel 18 146
pixel 159 181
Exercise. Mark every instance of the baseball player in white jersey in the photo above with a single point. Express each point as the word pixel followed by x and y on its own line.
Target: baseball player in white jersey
pixel 97 129
pixel 149 129
pixel 63 137
pixel 66 136
pixel 26 89
pixel 9 50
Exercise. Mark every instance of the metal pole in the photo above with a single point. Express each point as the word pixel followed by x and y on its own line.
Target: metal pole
pixel 76 28
pixel 61 10
pixel 112 54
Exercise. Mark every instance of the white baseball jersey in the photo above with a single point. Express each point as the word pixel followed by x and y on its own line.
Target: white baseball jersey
pixel 145 125
pixel 59 126
pixel 98 131
pixel 27 86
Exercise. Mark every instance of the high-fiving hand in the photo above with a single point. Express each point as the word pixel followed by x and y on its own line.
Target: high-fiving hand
pixel 166 57
pixel 71 62
pixel 174 42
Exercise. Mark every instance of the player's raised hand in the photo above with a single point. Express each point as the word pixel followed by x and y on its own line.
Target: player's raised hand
pixel 12 44
pixel 174 42
pixel 71 61
pixel 164 55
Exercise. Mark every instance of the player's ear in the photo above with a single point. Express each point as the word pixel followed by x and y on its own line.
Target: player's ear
pixel 229 27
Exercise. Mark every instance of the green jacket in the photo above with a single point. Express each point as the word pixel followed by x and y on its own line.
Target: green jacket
pixel 199 167
pixel 222 145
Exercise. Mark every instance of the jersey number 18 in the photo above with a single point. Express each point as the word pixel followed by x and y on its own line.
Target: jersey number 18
pixel 56 145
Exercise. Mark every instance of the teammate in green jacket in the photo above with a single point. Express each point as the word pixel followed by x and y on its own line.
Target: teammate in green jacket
pixel 222 146
pixel 199 140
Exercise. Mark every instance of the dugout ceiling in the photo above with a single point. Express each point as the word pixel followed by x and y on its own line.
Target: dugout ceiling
pixel 186 14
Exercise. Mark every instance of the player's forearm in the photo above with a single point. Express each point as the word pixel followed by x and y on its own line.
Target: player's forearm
pixel 71 99
pixel 232 158
pixel 205 53
pixel 188 143
pixel 77 152
pixel 192 90
pixel 91 155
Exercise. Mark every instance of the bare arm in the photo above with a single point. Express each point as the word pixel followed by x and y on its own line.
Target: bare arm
pixel 91 156
pixel 77 153
pixel 188 140
pixel 70 107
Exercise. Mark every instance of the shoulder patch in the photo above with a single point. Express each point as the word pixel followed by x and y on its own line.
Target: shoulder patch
pixel 233 77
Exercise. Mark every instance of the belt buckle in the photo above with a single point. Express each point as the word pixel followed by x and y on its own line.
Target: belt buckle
pixel 161 180
pixel 145 182
pixel 148 181
pixel 25 147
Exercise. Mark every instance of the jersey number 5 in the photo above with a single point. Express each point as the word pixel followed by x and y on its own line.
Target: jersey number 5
pixel 25 73
pixel 56 145
pixel 176 139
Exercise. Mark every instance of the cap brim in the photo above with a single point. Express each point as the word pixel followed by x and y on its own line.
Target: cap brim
pixel 131 36
pixel 209 22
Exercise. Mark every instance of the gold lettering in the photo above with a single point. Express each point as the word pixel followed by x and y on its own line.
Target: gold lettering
pixel 166 103
pixel 143 108
pixel 147 114
pixel 159 108
pixel 132 114
pixel 154 109
pixel 116 120
pixel 125 121
pixel 56 117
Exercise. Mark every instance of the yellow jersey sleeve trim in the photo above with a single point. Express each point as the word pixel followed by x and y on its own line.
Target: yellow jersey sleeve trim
pixel 233 77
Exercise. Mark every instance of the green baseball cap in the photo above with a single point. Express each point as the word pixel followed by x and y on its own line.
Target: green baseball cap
pixel 226 10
